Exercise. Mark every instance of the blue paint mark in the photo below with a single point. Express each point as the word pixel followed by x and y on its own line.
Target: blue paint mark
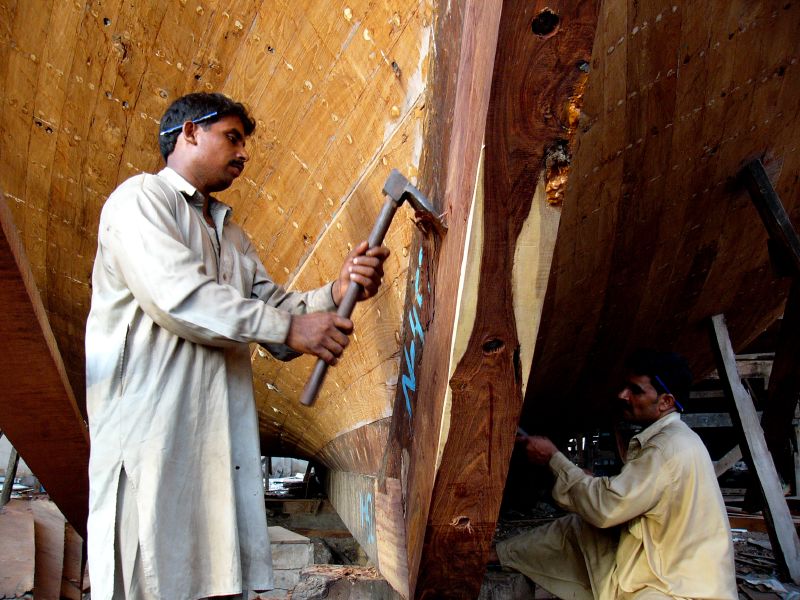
pixel 409 376
pixel 416 326
pixel 410 380
pixel 366 508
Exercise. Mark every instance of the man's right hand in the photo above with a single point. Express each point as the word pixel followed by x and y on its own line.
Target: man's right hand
pixel 323 334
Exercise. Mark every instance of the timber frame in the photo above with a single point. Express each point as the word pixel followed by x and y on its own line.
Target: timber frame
pixel 502 101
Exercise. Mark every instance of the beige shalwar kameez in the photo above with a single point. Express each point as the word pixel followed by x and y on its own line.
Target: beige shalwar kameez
pixel 175 303
pixel 659 529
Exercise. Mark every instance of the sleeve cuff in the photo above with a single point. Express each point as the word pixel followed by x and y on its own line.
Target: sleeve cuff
pixel 321 299
pixel 559 463
pixel 274 326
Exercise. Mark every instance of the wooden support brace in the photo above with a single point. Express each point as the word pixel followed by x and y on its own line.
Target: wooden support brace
pixel 38 411
pixel 724 464
pixel 782 534
pixel 11 474
pixel 772 213
pixel 784 382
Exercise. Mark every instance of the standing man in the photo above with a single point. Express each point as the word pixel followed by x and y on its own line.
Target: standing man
pixel 178 292
pixel 657 530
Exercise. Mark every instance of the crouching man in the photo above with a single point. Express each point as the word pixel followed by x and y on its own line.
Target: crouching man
pixel 657 530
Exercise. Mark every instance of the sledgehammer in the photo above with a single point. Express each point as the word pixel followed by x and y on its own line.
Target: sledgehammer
pixel 397 190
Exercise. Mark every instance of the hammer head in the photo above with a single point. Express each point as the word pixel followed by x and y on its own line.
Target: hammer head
pixel 399 189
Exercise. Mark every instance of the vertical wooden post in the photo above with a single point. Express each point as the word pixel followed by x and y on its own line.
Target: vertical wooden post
pixel 11 474
pixel 784 387
pixel 784 383
pixel 796 485
pixel 782 533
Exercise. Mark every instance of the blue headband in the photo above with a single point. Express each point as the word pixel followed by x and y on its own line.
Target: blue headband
pixel 666 389
pixel 195 121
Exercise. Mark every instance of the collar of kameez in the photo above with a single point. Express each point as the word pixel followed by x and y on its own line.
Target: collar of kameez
pixel 648 432
pixel 192 195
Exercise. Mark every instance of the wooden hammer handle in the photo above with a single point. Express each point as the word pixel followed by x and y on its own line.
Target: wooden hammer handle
pixel 348 303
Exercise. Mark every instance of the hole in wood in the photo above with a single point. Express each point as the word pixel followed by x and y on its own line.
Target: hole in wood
pixel 583 65
pixel 106 21
pixel 545 23
pixel 462 522
pixel 493 346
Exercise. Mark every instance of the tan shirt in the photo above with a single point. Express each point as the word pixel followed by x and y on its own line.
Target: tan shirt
pixel 675 535
pixel 170 390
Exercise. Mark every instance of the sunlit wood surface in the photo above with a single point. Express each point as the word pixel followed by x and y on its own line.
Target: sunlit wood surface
pixel 337 90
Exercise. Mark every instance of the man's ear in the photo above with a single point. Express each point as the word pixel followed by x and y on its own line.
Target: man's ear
pixel 667 402
pixel 189 131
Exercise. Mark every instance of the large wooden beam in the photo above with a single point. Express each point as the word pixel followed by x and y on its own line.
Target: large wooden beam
pixel 782 533
pixel 466 36
pixel 430 572
pixel 506 77
pixel 39 413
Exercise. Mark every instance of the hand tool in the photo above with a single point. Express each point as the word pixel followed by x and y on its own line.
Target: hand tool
pixel 397 190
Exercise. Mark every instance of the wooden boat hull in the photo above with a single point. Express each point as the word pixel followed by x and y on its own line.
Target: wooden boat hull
pixel 584 154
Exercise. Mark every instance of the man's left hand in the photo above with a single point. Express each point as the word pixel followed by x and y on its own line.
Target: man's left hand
pixel 363 265
pixel 538 448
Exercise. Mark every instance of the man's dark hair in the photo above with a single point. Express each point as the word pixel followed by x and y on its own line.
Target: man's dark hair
pixel 196 106
pixel 668 371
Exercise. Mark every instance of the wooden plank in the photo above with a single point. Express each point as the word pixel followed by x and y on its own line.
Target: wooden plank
pixel 749 369
pixel 754 523
pixel 359 516
pixel 40 415
pixel 17 554
pixel 724 464
pixel 782 533
pixel 699 420
pixel 357 451
pixel 390 533
pixel 49 530
pixel 74 561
